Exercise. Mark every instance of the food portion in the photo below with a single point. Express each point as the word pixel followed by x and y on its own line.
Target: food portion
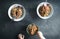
pixel 45 10
pixel 17 12
pixel 32 29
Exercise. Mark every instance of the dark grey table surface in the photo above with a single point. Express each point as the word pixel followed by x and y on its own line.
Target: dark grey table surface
pixel 10 29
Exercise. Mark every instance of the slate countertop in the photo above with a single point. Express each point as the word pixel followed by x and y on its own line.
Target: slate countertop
pixel 10 29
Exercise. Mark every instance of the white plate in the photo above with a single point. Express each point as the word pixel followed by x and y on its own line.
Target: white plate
pixel 9 12
pixel 39 13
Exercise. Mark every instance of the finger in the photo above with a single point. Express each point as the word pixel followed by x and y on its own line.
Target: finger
pixel 40 34
pixel 20 36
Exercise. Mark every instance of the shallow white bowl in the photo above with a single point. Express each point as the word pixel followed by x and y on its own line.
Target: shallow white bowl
pixel 46 16
pixel 9 12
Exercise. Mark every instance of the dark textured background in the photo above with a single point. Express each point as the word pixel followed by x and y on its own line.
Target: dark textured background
pixel 10 29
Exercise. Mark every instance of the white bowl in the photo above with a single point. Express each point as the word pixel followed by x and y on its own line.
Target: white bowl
pixel 9 12
pixel 49 14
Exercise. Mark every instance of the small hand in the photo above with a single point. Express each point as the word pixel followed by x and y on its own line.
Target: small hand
pixel 40 34
pixel 20 36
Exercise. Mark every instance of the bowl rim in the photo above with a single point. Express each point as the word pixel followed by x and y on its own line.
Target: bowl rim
pixel 37 10
pixel 9 12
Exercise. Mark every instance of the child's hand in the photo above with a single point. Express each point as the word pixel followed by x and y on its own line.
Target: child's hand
pixel 40 34
pixel 20 36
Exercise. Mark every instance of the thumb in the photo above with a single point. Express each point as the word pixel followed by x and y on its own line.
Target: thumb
pixel 40 34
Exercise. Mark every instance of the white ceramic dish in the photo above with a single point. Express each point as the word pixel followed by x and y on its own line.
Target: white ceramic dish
pixel 9 12
pixel 49 14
